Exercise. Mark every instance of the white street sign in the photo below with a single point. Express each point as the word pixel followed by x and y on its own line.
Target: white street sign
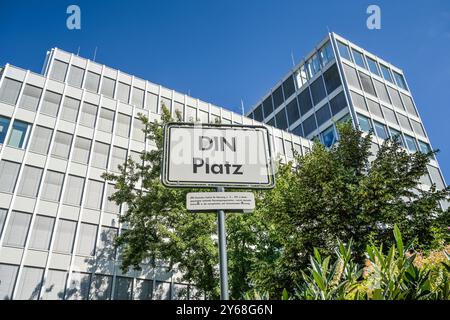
pixel 209 201
pixel 209 155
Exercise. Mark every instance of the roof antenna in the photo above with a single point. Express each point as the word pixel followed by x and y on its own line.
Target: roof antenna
pixel 189 92
pixel 328 29
pixel 292 57
pixel 95 53
pixel 78 51
pixel 242 107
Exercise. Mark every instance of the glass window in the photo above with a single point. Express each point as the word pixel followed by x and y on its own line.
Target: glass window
pixel 61 146
pixel 123 92
pixel 88 115
pixel 8 175
pixel 271 122
pixel 55 284
pixel 64 236
pixel 344 51
pixel 75 76
pixel 144 289
pixel 332 79
pixel 411 143
pixel 382 92
pixel 108 86
pixel 364 123
pixel 86 239
pixel 100 287
pixel 278 97
pixel 400 80
pixel 309 125
pixel 4 125
pixel 29 184
pixel 119 156
pixel 3 213
pixel 138 130
pixel 94 194
pixel 268 106
pixel 300 77
pixel 92 81
pixel 40 143
pixel 138 97
pixel 17 229
pixel 409 105
pixel 178 108
pixel 106 120
pixel 288 87
pixel 162 290
pixel 50 104
pixel 395 96
pixel 42 232
pixel 373 66
pixel 51 189
pixel 191 114
pixel 74 190
pixel 397 135
pixel 404 123
pixel 292 111
pixel 29 285
pixel 10 90
pixel 359 58
pixel 151 102
pixel 100 155
pixel 30 97
pixel 106 249
pixel 166 102
pixel 367 84
pixel 281 120
pixel 326 53
pixel 318 90
pixel 423 147
pixel 418 128
pixel 338 103
pixel 123 288
pixel 70 108
pixel 328 137
pixel 19 135
pixel 203 116
pixel 304 101
pixel 374 108
pixel 386 73
pixel 389 115
pixel 258 113
pixel 8 275
pixel 380 130
pixel 352 77
pixel 436 177
pixel 111 206
pixel 81 150
pixel 79 286
pixel 59 70
pixel 123 125
pixel 323 114
pixel 288 149
pixel 298 149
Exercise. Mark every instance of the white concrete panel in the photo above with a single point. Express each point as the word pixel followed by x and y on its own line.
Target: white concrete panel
pixel 69 212
pixel 24 204
pixel 34 258
pixel 10 255
pixel 90 216
pixel 47 208
pixel 59 261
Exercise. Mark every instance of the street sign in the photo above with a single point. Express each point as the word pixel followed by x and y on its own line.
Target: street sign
pixel 209 201
pixel 212 155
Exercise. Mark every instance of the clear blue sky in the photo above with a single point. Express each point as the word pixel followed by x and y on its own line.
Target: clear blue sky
pixel 222 51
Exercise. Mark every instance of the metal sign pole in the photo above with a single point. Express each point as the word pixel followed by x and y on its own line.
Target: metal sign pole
pixel 222 252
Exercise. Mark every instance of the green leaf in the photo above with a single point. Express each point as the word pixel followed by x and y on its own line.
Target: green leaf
pixel 398 240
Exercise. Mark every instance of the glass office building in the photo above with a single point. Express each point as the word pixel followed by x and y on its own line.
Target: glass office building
pixel 59 131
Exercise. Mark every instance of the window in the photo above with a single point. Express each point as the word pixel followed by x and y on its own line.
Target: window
pixel 395 96
pixel 144 289
pixel 50 104
pixel 386 73
pixel 88 115
pixel 79 286
pixel 326 53
pixel 367 83
pixel 51 189
pixel 17 229
pixel 300 77
pixel 135 156
pixel 359 58
pixel 281 119
pixel 75 76
pixel 178 109
pixel 106 249
pixel 382 92
pixel 94 194
pixel 8 175
pixel 268 106
pixel 64 236
pixel 318 90
pixel 59 70
pixel 30 97
pixel 288 149
pixel 108 85
pixel 3 213
pixel 4 125
pixel 400 80
pixel 86 239
pixel 338 103
pixel 409 105
pixel 100 155
pixel 70 108
pixel 411 143
pixel 343 51
pixel 423 147
pixel 81 150
pixel 298 149
pixel 123 288
pixel 106 120
pixel 397 136
pixel 74 190
pixel 61 146
pixel 42 232
pixel 92 81
pixel 389 115
pixel 162 290
pixel 101 287
pixel 323 114
pixel 191 114
pixel 55 284
pixel 119 156
pixel 292 111
pixel 352 77
pixel 374 108
pixel 203 116
pixel 29 184
pixel 364 123
pixel 19 135
pixel 40 143
pixel 436 177
pixel 138 130
pixel 138 97
pixel 271 122
pixel 380 130
pixel 278 97
pixel 111 206
pixel 358 101
pixel 10 90
pixel 123 92
pixel 304 100
pixel 328 137
pixel 332 79
pixel 123 125
pixel 29 285
pixel 167 103
pixel 309 125
pixel 404 122
pixel 288 87
pixel 8 275
pixel 151 102
pixel 418 128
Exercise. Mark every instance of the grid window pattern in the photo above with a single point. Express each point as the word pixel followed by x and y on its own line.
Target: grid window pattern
pixel 123 125
pixel 65 236
pixel 50 103
pixel 338 103
pixel 51 189
pixel 9 92
pixel 292 111
pixel 61 145
pixel 9 172
pixel 76 75
pixel 81 150
pixel 94 194
pixel 137 97
pixel 40 142
pixel 123 92
pixel 100 155
pixel 70 108
pixel 108 86
pixel 42 232
pixel 29 184
pixel 88 115
pixel 304 100
pixel 106 120
pixel 92 81
pixel 74 190
pixel 59 70
pixel 17 229
pixel 30 97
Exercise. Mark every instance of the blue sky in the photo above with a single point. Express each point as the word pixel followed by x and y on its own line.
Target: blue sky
pixel 225 51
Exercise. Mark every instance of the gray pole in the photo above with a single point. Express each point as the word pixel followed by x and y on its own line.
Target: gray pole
pixel 222 252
